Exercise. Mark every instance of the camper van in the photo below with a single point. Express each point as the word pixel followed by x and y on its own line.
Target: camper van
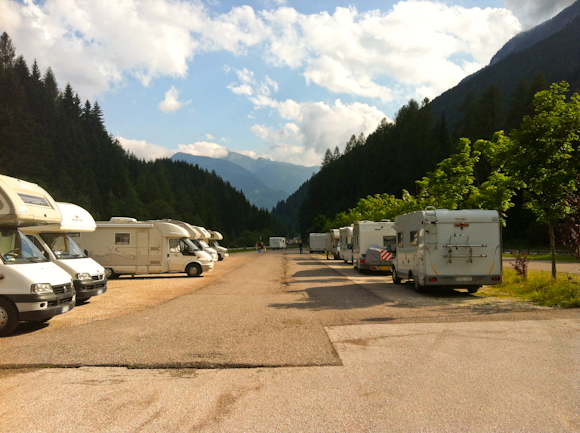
pixel 317 242
pixel 127 246
pixel 346 243
pixel 373 244
pixel 333 244
pixel 277 243
pixel 56 242
pixel 455 248
pixel 202 242
pixel 32 289
pixel 214 239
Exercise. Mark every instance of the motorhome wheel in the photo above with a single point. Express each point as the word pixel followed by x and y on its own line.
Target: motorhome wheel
pixel 193 270
pixel 472 289
pixel 110 274
pixel 8 317
pixel 220 258
pixel 418 288
pixel 396 278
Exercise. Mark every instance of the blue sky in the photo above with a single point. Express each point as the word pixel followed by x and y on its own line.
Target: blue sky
pixel 281 79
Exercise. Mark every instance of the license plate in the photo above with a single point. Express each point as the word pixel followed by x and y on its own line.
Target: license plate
pixel 65 308
pixel 384 268
pixel 463 279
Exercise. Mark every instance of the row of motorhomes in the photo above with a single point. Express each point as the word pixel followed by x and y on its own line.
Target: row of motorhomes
pixel 433 247
pixel 54 255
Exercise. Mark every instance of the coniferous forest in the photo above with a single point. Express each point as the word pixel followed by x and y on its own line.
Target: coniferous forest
pixel 50 137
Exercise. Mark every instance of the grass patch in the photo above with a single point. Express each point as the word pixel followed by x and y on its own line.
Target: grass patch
pixel 541 289
pixel 548 257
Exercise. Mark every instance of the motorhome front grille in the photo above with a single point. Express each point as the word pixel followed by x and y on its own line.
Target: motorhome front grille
pixel 64 288
pixel 98 277
pixel 59 302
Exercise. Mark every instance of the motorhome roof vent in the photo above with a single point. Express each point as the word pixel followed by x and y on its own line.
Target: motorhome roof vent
pixel 123 220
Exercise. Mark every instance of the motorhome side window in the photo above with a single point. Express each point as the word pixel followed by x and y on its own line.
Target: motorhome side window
pixel 389 240
pixel 414 237
pixel 174 246
pixel 400 242
pixel 122 238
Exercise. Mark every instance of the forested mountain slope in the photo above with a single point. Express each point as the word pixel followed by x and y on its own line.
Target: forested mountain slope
pixel 49 137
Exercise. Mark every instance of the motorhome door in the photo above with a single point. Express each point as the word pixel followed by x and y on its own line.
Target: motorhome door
pixel 142 250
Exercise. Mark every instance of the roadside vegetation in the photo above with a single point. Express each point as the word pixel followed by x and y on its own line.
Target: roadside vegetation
pixel 540 288
pixel 547 257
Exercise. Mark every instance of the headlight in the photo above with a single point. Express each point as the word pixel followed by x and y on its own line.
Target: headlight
pixel 41 288
pixel 83 276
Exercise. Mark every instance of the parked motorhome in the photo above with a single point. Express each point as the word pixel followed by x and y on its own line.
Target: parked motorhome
pixel 214 239
pixel 32 289
pixel 346 243
pixel 317 242
pixel 373 244
pixel 333 244
pixel 56 242
pixel 202 242
pixel 455 248
pixel 277 243
pixel 127 246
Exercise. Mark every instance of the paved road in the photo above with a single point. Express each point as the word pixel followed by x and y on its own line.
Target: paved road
pixel 289 342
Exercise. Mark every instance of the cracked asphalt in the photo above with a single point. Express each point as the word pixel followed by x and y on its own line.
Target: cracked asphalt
pixel 288 342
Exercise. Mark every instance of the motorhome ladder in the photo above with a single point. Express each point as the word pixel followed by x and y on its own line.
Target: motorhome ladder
pixel 431 225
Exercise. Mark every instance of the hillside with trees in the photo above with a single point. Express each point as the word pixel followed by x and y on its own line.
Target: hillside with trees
pixel 50 137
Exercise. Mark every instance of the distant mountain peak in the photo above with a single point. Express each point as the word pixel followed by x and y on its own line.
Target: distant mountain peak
pixel 525 40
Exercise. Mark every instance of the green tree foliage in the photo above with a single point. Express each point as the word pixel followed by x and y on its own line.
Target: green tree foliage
pixel 543 155
pixel 51 138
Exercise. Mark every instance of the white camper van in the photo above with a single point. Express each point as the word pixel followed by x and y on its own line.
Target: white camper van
pixel 317 242
pixel 373 244
pixel 277 243
pixel 333 244
pixel 195 236
pixel 456 248
pixel 213 243
pixel 56 242
pixel 202 242
pixel 346 243
pixel 32 289
pixel 127 246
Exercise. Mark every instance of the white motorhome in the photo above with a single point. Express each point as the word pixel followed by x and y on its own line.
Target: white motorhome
pixel 317 242
pixel 202 242
pixel 56 242
pixel 373 244
pixel 32 289
pixel 346 243
pixel 455 248
pixel 127 246
pixel 333 244
pixel 277 243
pixel 213 243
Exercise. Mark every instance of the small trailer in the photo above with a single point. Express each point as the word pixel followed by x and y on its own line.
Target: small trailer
pixel 452 248
pixel 346 243
pixel 277 243
pixel 373 244
pixel 317 242
pixel 333 244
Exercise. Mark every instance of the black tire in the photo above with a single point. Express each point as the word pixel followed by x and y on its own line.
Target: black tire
pixel 8 317
pixel 472 289
pixel 110 274
pixel 193 270
pixel 220 258
pixel 418 288
pixel 396 278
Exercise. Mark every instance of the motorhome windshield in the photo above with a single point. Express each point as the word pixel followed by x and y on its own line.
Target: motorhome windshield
pixel 63 246
pixel 17 248
pixel 214 243
pixel 187 247
pixel 203 244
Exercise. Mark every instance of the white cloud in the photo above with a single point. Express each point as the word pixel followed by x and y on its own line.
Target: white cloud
pixel 171 102
pixel 143 150
pixel 204 148
pixel 209 137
